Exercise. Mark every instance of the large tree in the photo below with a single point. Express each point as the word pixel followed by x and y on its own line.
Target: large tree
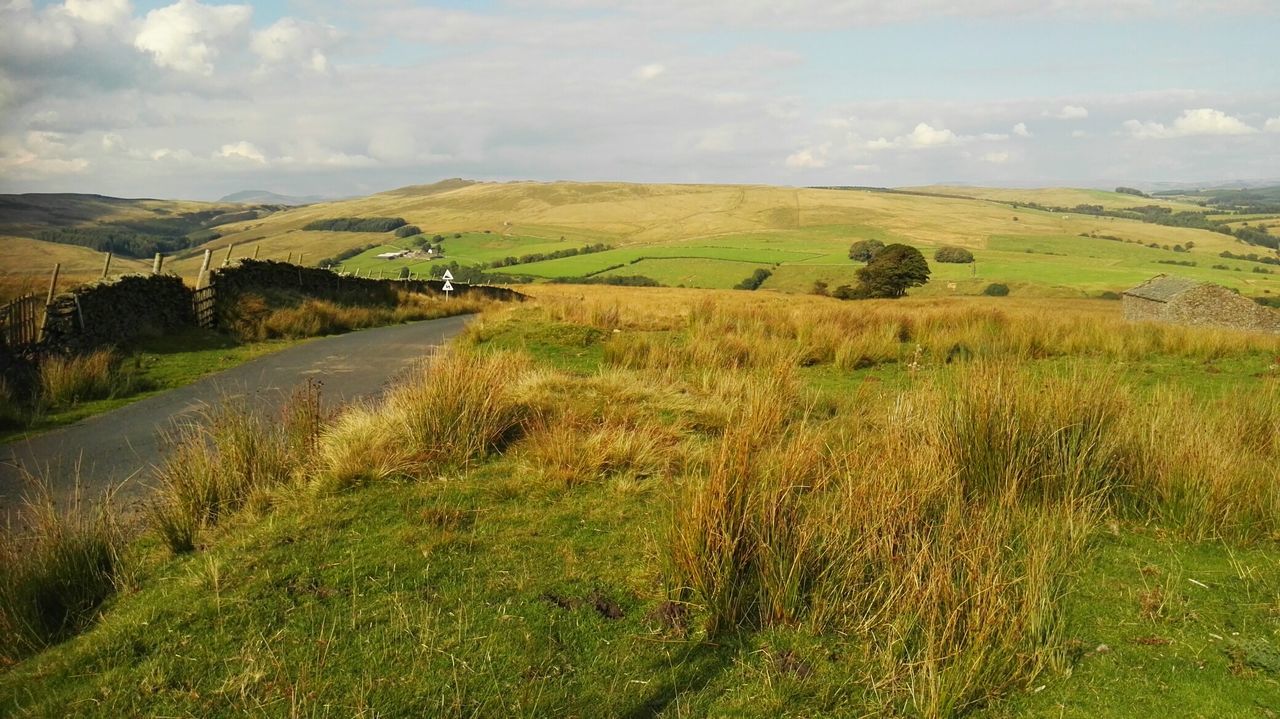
pixel 892 271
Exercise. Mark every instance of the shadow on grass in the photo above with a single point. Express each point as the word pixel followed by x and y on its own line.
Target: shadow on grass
pixel 690 671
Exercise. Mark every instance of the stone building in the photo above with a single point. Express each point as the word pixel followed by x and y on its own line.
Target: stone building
pixel 1182 301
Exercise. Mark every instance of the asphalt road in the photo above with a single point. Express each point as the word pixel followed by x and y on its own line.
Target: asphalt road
pixel 121 446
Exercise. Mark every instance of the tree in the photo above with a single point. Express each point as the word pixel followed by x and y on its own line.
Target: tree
pixel 865 250
pixel 957 255
pixel 404 273
pixel 892 271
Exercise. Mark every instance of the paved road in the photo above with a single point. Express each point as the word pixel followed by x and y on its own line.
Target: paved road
pixel 122 445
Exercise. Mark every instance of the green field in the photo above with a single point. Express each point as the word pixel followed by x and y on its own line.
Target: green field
pixel 802 234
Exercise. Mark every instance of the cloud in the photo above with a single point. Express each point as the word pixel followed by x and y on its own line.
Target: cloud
pixel 1202 121
pixel 1070 112
pixel 294 42
pixel 996 158
pixel 923 136
pixel 649 72
pixel 1021 130
pixel 1273 125
pixel 186 36
pixel 100 12
pixel 807 158
pixel 243 150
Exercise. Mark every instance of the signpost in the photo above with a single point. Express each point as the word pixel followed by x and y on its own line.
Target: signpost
pixel 448 284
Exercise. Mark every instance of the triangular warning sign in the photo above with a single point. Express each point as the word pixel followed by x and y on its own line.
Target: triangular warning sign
pixel 447 275
pixel 448 287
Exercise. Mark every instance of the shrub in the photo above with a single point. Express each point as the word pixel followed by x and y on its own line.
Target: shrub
pixel 407 231
pixel 996 289
pixel 955 255
pixel 865 250
pixel 753 282
pixel 54 577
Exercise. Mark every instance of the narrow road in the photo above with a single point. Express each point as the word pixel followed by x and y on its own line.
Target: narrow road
pixel 122 445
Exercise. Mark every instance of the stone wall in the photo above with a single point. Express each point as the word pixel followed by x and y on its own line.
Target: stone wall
pixel 1214 306
pixel 1139 309
pixel 259 276
pixel 117 312
pixel 1205 306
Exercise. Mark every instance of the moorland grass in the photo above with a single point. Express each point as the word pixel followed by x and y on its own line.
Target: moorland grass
pixel 688 524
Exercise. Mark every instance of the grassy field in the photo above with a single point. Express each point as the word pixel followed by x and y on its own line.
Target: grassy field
pixel 665 502
pixel 805 232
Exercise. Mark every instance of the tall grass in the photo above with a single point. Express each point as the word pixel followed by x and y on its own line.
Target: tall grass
pixel 447 414
pixel 282 315
pixel 233 458
pixel 56 571
pixel 69 380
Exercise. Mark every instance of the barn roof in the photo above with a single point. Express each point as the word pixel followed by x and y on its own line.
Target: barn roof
pixel 1162 288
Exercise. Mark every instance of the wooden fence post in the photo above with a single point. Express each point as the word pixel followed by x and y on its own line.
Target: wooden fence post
pixel 227 260
pixel 157 264
pixel 204 269
pixel 300 256
pixel 53 282
pixel 106 265
pixel 289 259
pixel 255 251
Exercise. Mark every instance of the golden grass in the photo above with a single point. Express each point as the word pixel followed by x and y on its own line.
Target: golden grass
pixel 69 380
pixel 255 317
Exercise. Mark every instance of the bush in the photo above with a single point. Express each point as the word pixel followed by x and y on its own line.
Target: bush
pixel 865 250
pixel 996 289
pixel 753 282
pixel 407 231
pixel 954 255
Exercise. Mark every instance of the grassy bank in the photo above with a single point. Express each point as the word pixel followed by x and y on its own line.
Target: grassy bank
pixel 621 502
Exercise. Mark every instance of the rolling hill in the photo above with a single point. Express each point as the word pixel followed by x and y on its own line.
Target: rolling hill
pixel 716 235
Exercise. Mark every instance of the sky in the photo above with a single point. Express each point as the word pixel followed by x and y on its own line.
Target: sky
pixel 196 100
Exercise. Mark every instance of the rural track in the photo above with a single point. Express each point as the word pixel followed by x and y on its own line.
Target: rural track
pixel 120 447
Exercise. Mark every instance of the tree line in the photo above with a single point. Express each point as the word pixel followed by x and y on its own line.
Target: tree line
pixel 356 224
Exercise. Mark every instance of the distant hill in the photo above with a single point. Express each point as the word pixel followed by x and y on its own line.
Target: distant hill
pixel 266 197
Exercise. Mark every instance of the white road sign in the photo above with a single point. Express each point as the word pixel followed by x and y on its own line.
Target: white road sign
pixel 447 276
pixel 448 287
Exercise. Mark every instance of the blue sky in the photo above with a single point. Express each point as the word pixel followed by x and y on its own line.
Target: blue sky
pixel 199 99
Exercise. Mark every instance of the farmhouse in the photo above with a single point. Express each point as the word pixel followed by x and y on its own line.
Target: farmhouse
pixel 1164 298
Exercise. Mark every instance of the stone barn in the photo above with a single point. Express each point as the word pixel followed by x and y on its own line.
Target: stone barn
pixel 1164 298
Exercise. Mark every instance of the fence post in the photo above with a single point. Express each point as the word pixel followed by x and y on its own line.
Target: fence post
pixel 255 251
pixel 227 260
pixel 53 282
pixel 204 269
pixel 106 265
pixel 300 256
pixel 289 259
pixel 157 264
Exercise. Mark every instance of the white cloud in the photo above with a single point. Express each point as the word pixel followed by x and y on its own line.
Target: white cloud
pixel 1202 121
pixel 650 71
pixel 807 158
pixel 1021 130
pixel 290 41
pixel 1070 112
pixel 1079 133
pixel 923 136
pixel 996 158
pixel 243 150
pixel 186 36
pixel 100 12
pixel 1273 125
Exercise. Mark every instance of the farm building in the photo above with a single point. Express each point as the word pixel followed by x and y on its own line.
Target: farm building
pixel 1164 298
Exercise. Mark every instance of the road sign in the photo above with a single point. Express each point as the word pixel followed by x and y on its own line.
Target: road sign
pixel 447 275
pixel 447 286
